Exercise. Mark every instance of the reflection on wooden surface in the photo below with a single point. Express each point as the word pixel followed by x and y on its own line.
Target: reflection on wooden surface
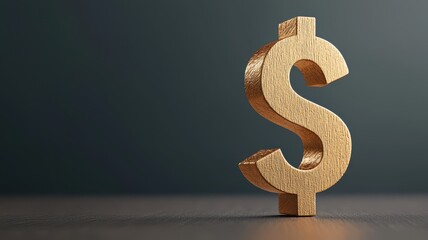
pixel 306 228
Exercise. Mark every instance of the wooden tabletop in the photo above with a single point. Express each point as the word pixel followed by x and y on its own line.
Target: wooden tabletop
pixel 212 217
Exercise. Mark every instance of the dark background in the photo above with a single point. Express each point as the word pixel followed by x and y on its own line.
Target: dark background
pixel 104 97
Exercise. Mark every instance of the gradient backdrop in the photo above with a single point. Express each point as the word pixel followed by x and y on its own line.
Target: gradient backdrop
pixel 104 97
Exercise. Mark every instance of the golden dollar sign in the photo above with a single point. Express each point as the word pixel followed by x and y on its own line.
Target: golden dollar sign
pixel 326 139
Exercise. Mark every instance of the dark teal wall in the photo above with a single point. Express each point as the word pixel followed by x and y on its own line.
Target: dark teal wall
pixel 148 97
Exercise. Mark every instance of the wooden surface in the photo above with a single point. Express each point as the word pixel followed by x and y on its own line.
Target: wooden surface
pixel 326 139
pixel 211 217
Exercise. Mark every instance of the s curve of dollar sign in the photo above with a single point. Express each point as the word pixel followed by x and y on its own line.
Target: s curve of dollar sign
pixel 325 137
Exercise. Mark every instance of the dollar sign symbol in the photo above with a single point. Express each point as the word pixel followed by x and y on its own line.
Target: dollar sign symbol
pixel 326 139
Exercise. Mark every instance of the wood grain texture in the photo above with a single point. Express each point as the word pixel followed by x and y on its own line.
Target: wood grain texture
pixel 326 139
pixel 236 217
